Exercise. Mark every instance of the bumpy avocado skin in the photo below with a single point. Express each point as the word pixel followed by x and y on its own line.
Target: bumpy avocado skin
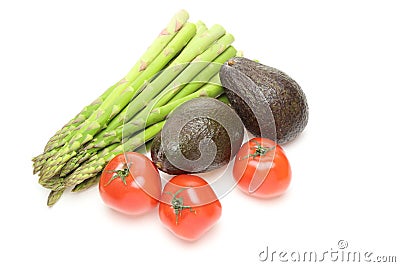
pixel 282 94
pixel 192 133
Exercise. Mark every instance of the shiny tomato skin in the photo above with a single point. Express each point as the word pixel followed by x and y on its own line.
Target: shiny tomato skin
pixel 142 190
pixel 273 169
pixel 202 207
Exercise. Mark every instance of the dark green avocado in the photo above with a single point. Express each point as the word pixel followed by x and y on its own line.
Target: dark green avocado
pixel 269 102
pixel 201 135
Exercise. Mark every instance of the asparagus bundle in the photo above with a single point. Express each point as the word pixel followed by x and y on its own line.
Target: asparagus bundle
pixel 181 64
pixel 140 69
pixel 113 134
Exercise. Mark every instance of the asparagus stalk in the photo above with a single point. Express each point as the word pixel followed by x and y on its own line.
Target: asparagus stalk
pixel 54 184
pixel 222 49
pixel 223 98
pixel 156 115
pixel 86 184
pixel 57 182
pixel 196 47
pixel 199 63
pixel 116 102
pixel 92 168
pixel 90 182
pixel 54 196
pixel 97 163
pixel 204 91
pixel 184 77
pixel 40 160
pixel 101 140
pixel 113 134
pixel 199 33
pixel 77 160
pixel 206 74
pixel 143 120
pixel 194 68
pixel 149 56
pixel 159 44
pixel 54 141
pixel 212 89
pixel 165 36
pixel 201 27
pixel 159 113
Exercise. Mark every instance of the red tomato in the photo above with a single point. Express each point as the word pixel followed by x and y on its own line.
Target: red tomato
pixel 130 183
pixel 189 207
pixel 262 169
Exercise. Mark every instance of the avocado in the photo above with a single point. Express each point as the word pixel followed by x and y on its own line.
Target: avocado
pixel 200 135
pixel 269 102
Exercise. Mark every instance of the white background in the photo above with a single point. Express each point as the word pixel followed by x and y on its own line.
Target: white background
pixel 57 56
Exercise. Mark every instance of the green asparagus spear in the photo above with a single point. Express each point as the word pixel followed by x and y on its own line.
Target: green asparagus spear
pixel 96 165
pixel 201 27
pixel 90 182
pixel 57 182
pixel 79 158
pixel 208 55
pixel 165 36
pixel 206 74
pixel 212 89
pixel 113 134
pixel 156 115
pixel 223 51
pixel 107 136
pixel 198 45
pixel 86 184
pixel 115 103
pixel 149 56
pixel 54 196
pixel 194 68
pixel 40 160
pixel 223 98
pixel 55 141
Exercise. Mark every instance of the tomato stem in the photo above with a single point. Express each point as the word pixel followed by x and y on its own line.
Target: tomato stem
pixel 177 204
pixel 260 150
pixel 122 173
